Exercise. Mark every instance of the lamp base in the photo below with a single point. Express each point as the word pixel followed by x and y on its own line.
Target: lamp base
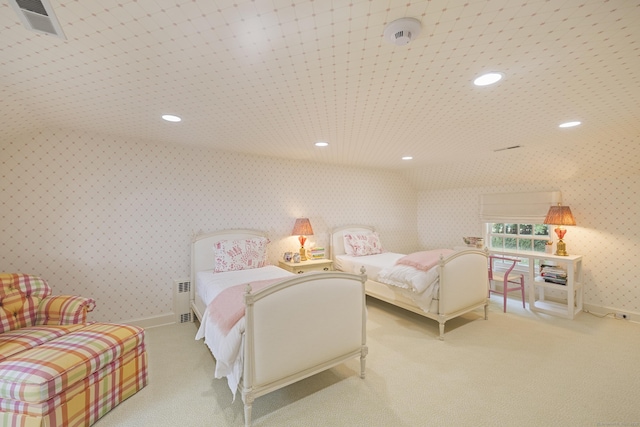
pixel 561 248
pixel 303 254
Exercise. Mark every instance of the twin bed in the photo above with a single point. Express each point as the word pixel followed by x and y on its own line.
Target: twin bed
pixel 454 284
pixel 268 328
pixel 282 332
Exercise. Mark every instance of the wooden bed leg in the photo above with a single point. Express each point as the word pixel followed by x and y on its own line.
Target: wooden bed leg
pixel 486 311
pixel 363 360
pixel 247 415
pixel 247 410
pixel 441 337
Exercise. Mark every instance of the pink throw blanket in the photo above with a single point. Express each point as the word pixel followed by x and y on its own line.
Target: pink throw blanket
pixel 228 307
pixel 424 260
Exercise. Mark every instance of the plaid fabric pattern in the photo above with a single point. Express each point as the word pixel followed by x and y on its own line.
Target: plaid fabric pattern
pixel 85 402
pixel 20 295
pixel 55 370
pixel 25 301
pixel 39 374
pixel 18 340
pixel 64 310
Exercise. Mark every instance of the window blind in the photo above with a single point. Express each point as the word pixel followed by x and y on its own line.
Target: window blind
pixel 527 208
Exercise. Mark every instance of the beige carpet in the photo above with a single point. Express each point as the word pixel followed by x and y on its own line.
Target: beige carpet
pixel 515 369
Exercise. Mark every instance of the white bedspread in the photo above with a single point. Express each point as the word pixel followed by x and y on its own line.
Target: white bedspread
pixel 227 349
pixel 372 263
pixel 420 286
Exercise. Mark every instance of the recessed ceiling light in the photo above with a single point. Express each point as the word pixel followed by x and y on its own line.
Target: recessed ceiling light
pixel 407 158
pixel 171 118
pixel 570 124
pixel 321 144
pixel 488 79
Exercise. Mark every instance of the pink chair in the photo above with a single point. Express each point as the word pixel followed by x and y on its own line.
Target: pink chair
pixel 507 279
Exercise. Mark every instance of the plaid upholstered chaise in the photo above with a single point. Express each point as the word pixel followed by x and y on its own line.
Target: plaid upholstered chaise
pixel 55 368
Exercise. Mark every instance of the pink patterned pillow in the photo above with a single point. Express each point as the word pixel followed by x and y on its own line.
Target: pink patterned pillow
pixel 359 244
pixel 245 254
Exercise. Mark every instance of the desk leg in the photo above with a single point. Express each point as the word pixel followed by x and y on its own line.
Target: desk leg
pixel 571 293
pixel 532 286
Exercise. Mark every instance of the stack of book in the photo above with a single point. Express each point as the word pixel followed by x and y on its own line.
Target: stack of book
pixel 553 274
pixel 315 253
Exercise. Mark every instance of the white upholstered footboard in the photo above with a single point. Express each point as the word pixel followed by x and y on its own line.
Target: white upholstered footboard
pixel 463 283
pixel 293 329
pixel 300 327
pixel 463 288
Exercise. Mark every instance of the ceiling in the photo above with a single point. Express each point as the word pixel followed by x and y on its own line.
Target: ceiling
pixel 272 77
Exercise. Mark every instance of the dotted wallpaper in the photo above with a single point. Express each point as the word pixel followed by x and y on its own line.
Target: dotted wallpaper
pixel 607 233
pixel 112 219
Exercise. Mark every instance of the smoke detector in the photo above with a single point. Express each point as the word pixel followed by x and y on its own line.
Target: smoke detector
pixel 401 31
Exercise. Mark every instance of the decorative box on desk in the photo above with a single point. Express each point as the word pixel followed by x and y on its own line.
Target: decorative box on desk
pixel 306 266
pixel 573 288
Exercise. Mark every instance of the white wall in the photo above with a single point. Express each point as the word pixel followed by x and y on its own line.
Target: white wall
pixel 607 234
pixel 112 219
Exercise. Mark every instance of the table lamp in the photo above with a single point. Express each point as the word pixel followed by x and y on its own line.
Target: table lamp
pixel 302 228
pixel 560 216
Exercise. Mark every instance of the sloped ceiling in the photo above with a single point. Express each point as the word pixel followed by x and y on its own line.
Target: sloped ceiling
pixel 272 77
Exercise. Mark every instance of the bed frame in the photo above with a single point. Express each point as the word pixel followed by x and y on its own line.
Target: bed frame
pixel 463 282
pixel 294 329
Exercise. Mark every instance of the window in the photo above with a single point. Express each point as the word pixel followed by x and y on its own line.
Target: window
pixel 513 236
pixel 514 221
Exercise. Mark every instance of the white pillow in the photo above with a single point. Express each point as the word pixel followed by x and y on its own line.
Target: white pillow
pixel 360 244
pixel 232 255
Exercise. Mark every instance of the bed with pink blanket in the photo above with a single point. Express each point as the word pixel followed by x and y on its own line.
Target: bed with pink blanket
pixel 439 284
pixel 266 327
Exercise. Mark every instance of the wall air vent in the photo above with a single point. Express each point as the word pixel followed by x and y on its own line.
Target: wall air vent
pixel 38 16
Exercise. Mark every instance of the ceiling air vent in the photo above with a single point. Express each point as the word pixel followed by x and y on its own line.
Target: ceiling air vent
pixel 513 147
pixel 38 16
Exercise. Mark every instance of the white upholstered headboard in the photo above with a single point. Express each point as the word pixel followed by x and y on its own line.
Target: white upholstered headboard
pixel 337 237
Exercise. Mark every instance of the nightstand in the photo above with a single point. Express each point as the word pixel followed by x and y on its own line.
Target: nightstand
pixel 306 266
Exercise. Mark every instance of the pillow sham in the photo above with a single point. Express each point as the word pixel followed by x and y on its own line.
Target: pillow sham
pixel 243 254
pixel 360 244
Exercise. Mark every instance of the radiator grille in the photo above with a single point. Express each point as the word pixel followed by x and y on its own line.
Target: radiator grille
pixel 181 301
pixel 184 287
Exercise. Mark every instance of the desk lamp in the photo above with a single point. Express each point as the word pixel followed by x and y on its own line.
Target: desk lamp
pixel 560 216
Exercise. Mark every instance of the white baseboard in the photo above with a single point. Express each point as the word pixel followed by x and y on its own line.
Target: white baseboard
pixel 610 312
pixel 170 318
pixel 152 322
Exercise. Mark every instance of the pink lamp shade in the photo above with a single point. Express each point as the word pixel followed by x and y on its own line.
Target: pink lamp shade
pixel 560 215
pixel 302 228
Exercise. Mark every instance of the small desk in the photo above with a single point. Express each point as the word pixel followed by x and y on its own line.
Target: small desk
pixel 537 285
